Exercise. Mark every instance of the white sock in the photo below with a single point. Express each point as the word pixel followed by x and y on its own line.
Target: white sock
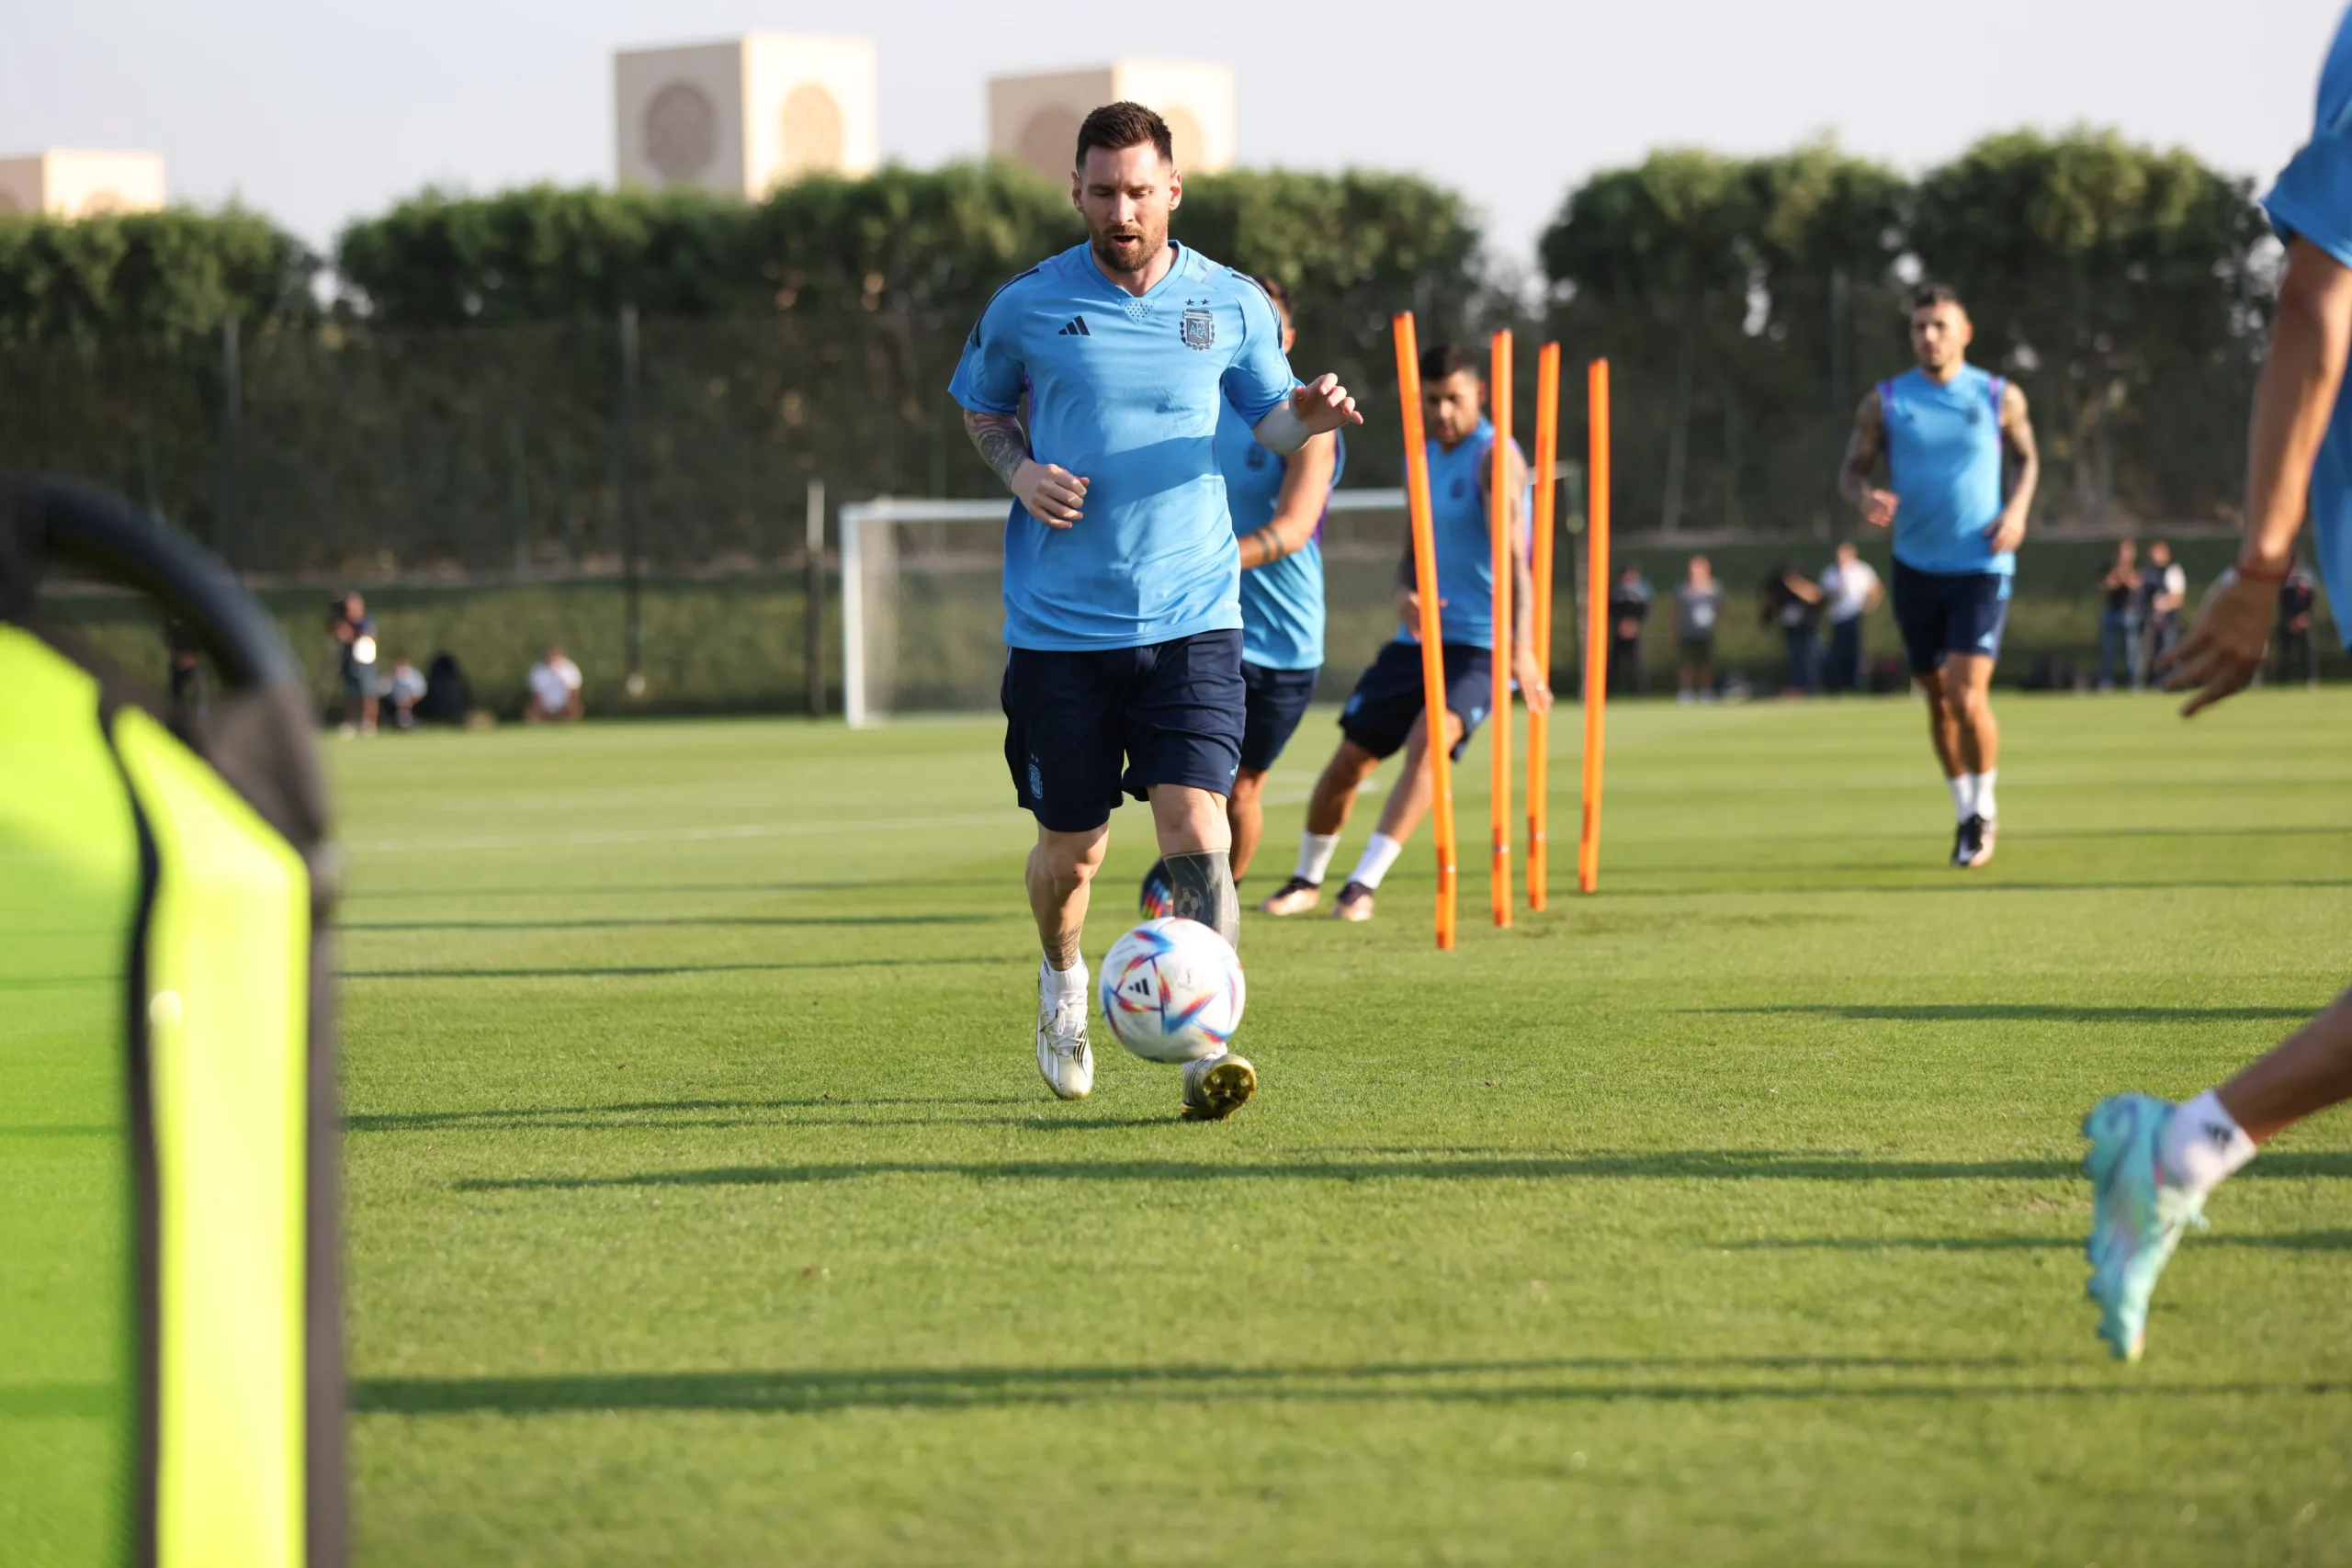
pixel 1963 796
pixel 1378 856
pixel 2202 1143
pixel 1984 808
pixel 1315 852
pixel 1069 982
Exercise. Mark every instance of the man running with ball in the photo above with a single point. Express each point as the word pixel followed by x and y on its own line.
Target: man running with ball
pixel 1123 615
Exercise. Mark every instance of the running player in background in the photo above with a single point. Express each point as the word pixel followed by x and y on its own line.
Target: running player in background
pixel 1386 711
pixel 1122 617
pixel 2152 1164
pixel 1947 431
pixel 1278 506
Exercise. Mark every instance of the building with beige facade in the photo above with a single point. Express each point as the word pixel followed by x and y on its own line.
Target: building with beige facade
pixel 72 182
pixel 746 114
pixel 1034 120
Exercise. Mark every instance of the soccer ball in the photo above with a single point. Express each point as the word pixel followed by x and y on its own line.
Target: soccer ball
pixel 1173 990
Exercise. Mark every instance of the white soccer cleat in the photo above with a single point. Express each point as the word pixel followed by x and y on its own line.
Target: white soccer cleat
pixel 1064 1058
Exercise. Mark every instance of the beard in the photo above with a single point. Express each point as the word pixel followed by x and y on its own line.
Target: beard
pixel 1150 238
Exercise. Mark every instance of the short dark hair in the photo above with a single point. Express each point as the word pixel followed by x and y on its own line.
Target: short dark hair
pixel 1115 127
pixel 1928 296
pixel 1281 297
pixel 1440 360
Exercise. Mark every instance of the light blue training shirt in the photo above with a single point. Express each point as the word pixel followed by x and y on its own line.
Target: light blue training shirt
pixel 1124 393
pixel 1465 550
pixel 1943 461
pixel 2312 201
pixel 1281 603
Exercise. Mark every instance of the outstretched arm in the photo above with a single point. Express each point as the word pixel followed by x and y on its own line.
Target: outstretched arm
pixel 2310 340
pixel 1530 666
pixel 1862 448
pixel 1050 493
pixel 2007 531
pixel 1298 510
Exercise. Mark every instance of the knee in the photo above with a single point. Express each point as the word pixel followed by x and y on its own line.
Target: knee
pixel 1247 786
pixel 1071 864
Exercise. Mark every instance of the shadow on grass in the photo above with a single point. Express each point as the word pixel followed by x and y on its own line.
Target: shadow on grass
pixel 2279 1241
pixel 631 1113
pixel 615 925
pixel 1687 1165
pixel 641 971
pixel 1598 1379
pixel 2023 1013
pixel 567 890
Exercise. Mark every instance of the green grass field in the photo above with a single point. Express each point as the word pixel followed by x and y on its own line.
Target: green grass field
pixel 704 1207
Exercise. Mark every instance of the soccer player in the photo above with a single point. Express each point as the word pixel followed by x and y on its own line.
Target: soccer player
pixel 1123 617
pixel 1948 430
pixel 2152 1164
pixel 1278 506
pixel 1384 712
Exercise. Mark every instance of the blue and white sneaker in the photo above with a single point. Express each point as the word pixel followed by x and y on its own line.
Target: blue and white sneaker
pixel 2137 1217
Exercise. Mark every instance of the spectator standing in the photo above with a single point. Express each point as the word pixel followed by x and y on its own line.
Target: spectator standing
pixel 1698 606
pixel 2119 617
pixel 1849 589
pixel 1791 601
pixel 2164 589
pixel 555 691
pixel 1629 606
pixel 2298 603
pixel 404 686
pixel 354 630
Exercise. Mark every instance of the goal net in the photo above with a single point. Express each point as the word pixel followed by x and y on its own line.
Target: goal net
pixel 923 613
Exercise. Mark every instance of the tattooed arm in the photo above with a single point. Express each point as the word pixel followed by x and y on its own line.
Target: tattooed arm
pixel 1050 493
pixel 1862 448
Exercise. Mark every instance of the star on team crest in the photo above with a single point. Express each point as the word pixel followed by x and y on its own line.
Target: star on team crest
pixel 1197 327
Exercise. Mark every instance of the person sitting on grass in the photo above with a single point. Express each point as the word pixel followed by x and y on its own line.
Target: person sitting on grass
pixel 555 690
pixel 403 687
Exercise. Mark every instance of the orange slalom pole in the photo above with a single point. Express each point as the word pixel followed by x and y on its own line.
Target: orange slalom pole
pixel 1417 503
pixel 1499 714
pixel 1596 620
pixel 1539 725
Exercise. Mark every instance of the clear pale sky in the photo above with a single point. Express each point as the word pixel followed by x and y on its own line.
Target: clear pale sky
pixel 316 113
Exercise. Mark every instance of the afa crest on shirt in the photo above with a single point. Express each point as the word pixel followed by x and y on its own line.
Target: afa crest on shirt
pixel 1197 327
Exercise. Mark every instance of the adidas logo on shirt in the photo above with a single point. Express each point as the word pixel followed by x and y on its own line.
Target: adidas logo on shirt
pixel 1076 328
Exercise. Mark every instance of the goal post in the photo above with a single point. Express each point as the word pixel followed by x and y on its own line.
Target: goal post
pixel 921 598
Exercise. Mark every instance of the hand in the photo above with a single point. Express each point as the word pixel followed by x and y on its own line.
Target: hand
pixel 2007 531
pixel 1534 685
pixel 1878 506
pixel 1409 609
pixel 1049 492
pixel 2225 649
pixel 1324 405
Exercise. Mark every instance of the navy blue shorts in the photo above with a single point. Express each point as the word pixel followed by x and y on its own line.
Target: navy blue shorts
pixel 1083 729
pixel 1387 699
pixel 1277 700
pixel 1942 613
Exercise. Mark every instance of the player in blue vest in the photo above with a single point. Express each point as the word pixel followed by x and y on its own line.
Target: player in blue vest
pixel 1278 507
pixel 1948 430
pixel 2152 1164
pixel 1386 711
pixel 1122 605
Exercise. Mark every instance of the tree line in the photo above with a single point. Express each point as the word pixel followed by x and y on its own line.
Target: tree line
pixel 1746 304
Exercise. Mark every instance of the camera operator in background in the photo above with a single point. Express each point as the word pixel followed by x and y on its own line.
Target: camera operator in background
pixel 354 630
pixel 2298 603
